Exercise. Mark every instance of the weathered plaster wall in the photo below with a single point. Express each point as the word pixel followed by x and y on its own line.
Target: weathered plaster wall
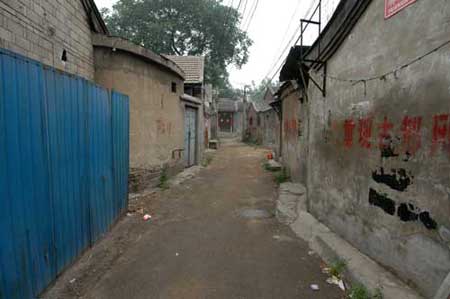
pixel 254 131
pixel 271 130
pixel 238 123
pixel 43 29
pixel 156 113
pixel 291 154
pixel 379 156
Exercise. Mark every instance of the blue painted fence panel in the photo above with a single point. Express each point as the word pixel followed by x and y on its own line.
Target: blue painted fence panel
pixel 64 147
pixel 121 129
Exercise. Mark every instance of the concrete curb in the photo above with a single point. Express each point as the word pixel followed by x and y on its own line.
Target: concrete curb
pixel 444 290
pixel 330 247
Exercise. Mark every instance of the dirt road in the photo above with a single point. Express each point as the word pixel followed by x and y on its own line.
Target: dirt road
pixel 213 236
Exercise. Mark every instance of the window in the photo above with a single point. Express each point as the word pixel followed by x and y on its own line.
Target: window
pixel 174 87
pixel 250 121
pixel 64 56
pixel 258 120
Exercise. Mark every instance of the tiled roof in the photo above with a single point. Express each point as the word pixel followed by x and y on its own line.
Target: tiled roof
pixel 261 106
pixel 193 67
pixel 227 105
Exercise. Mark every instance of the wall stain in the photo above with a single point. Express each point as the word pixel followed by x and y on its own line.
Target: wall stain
pixel 388 152
pixel 398 179
pixel 382 201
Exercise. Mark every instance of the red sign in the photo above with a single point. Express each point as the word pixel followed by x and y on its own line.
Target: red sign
pixel 391 7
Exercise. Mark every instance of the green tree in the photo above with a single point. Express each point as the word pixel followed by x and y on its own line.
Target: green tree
pixel 257 92
pixel 185 27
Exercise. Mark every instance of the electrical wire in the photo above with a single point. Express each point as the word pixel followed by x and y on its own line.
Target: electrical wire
pixel 288 45
pixel 249 14
pixel 252 15
pixel 245 9
pixel 391 72
pixel 288 27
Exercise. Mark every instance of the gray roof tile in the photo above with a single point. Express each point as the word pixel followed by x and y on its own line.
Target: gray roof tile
pixel 193 67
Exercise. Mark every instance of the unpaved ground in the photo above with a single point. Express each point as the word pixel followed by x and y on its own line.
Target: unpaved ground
pixel 213 236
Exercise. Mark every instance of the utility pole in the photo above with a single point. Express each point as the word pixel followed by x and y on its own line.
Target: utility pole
pixel 244 113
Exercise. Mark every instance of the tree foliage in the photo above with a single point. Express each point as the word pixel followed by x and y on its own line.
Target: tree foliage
pixel 257 92
pixel 185 27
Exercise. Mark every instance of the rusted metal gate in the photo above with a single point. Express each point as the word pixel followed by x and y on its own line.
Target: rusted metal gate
pixel 63 170
pixel 190 136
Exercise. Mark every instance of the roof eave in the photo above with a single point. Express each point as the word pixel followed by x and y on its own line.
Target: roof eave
pixel 344 18
pixel 118 43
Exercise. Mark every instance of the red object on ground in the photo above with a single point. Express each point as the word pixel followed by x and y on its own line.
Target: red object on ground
pixel 270 156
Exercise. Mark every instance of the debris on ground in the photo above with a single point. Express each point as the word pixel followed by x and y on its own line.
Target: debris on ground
pixel 336 281
pixel 335 272
pixel 72 281
pixel 147 217
pixel 315 287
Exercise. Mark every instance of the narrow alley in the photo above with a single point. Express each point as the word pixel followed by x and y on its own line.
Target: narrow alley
pixel 224 149
pixel 213 236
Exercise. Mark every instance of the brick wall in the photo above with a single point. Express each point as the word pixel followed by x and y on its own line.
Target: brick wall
pixel 43 29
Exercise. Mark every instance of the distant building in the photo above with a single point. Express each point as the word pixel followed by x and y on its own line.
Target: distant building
pixel 194 69
pixel 196 119
pixel 230 117
pixel 263 124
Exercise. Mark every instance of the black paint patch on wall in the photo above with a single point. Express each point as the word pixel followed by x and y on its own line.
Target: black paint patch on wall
pixel 382 201
pixel 429 222
pixel 388 152
pixel 406 213
pixel 398 179
pixel 387 148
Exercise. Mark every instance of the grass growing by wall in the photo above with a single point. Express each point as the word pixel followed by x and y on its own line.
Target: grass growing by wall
pixel 359 291
pixel 282 176
pixel 164 179
pixel 207 160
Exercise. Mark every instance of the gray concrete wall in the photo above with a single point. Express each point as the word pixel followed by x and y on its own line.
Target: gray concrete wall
pixel 290 150
pixel 156 113
pixel 379 156
pixel 43 29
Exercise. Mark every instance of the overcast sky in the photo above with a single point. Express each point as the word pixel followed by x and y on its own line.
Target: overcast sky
pixel 272 27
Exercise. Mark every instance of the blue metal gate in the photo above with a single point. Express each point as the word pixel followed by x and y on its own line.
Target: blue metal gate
pixel 64 147
pixel 190 136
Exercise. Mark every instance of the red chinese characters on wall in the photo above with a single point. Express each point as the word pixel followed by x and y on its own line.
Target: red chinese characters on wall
pixel 349 127
pixel 163 128
pixel 385 134
pixel 411 137
pixel 391 7
pixel 365 132
pixel 291 127
pixel 408 132
pixel 440 132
